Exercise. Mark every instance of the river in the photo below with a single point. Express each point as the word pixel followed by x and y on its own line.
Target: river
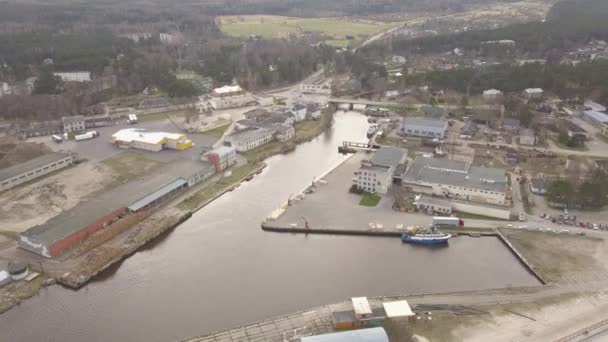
pixel 220 270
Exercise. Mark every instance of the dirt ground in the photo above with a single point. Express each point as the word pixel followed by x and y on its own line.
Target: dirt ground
pixel 548 320
pixel 14 151
pixel 35 203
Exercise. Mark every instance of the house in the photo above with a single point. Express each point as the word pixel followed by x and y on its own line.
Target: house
pixel 596 118
pixel 537 186
pixel 283 134
pixel 378 174
pixel 150 141
pixel 511 125
pixel 249 138
pixel 299 112
pixel 423 127
pixel 398 59
pixel 457 180
pixel 491 94
pixel 76 76
pixel 527 137
pixel 594 106
pixel 74 123
pixel 533 93
pixel 469 129
pixel 222 157
pixel 392 94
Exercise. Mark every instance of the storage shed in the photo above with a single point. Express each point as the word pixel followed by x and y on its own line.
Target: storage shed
pixel 361 308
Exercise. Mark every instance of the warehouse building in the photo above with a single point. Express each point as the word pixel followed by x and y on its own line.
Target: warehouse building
pixel 457 180
pixel 378 174
pixel 76 76
pixel 68 229
pixel 151 141
pixel 249 138
pixel 318 89
pixel 596 118
pixel 230 97
pixel 424 127
pixel 32 169
pixel 222 157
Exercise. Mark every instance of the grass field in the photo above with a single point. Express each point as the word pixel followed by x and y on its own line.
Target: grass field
pixel 270 26
pixel 216 132
pixel 370 200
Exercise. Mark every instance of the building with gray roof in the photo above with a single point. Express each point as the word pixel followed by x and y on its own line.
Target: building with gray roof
pixel 32 169
pixel 458 180
pixel 378 174
pixel 249 138
pixel 424 127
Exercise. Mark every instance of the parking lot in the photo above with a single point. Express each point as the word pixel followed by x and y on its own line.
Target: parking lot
pixel 101 147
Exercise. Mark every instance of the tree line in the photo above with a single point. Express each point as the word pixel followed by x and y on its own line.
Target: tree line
pixel 588 194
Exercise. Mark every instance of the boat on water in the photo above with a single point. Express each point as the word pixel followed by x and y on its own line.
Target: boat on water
pixel 425 236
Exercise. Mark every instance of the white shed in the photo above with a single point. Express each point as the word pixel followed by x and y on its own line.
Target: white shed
pixel 361 308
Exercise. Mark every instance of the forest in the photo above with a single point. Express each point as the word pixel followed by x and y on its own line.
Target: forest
pixel 568 23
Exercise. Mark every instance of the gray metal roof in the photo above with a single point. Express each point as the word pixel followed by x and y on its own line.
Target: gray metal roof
pixel 222 150
pixel 31 164
pixel 427 122
pixel 159 193
pixel 361 335
pixel 247 134
pixel 514 123
pixel 527 132
pixel 390 156
pixel 456 173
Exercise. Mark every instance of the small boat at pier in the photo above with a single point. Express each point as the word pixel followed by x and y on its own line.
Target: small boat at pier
pixel 420 236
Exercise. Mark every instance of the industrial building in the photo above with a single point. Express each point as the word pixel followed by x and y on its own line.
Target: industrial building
pixel 385 167
pixel 208 122
pixel 458 180
pixel 222 157
pixel 317 89
pixel 424 127
pixel 32 169
pixel 249 138
pixel 591 105
pixel 362 335
pixel 596 118
pixel 76 76
pixel 151 141
pixel 433 205
pixel 71 227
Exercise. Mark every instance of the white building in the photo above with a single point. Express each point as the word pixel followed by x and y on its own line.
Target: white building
pixel 32 169
pixel 151 141
pixel 74 123
pixel 457 180
pixel 491 94
pixel 392 94
pixel 598 119
pixel 250 138
pixel 168 39
pixel 533 93
pixel 206 123
pixel 423 127
pixel 222 157
pixel 318 89
pixel 76 76
pixel 5 89
pixel 230 97
pixel 376 175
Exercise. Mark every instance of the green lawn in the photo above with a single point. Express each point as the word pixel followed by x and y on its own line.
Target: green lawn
pixel 369 200
pixel 271 26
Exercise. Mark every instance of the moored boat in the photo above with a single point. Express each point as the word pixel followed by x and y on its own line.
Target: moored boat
pixel 425 237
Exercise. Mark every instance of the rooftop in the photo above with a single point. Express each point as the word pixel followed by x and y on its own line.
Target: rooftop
pixel 222 150
pixel 299 106
pixel 361 335
pixel 597 116
pixel 492 92
pixel 591 105
pixel 31 164
pixel 390 156
pixel 227 89
pixel 533 91
pixel 511 123
pixel 248 133
pixel 428 122
pixel 527 132
pixel 455 173
pixel 141 135
pixel 159 193
pixel 96 207
pixel 72 119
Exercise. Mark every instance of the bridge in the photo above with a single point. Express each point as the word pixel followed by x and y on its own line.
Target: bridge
pixel 352 147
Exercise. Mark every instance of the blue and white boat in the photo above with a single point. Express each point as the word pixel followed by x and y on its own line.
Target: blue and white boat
pixel 425 237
